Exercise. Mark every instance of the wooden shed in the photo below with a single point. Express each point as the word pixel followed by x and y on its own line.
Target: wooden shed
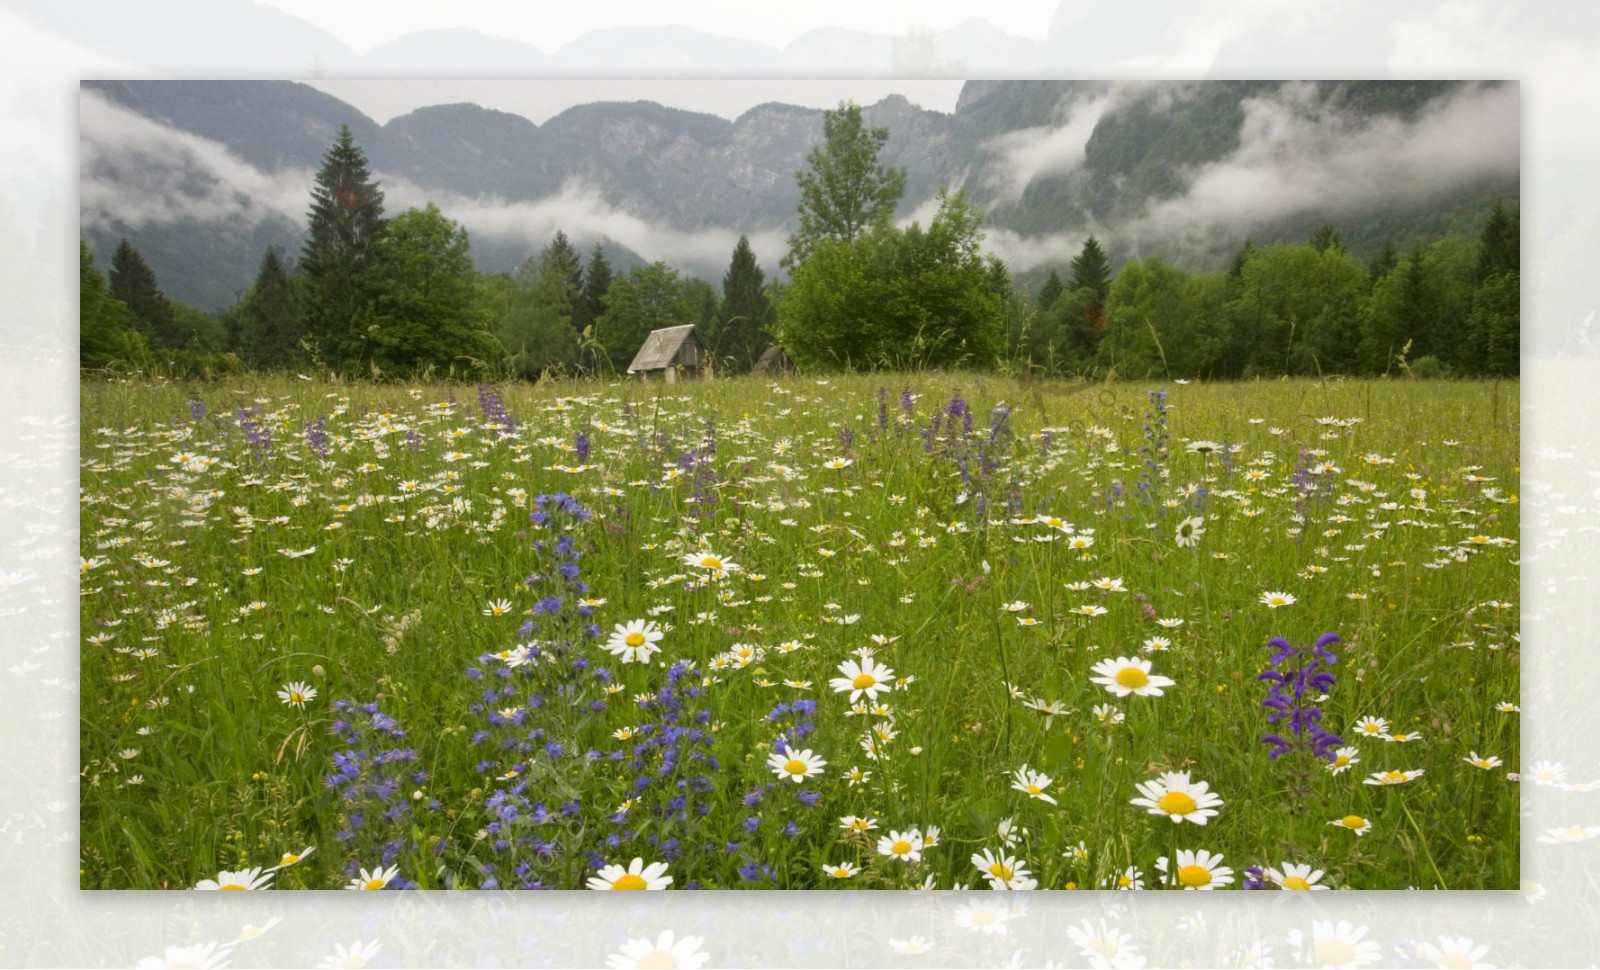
pixel 670 349
pixel 773 361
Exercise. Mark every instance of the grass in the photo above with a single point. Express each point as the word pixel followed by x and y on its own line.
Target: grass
pixel 1387 510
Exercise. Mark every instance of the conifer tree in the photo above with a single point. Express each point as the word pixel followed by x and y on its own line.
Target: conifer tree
pixel 745 315
pixel 1051 291
pixel 346 224
pixel 135 285
pixel 590 305
pixel 269 322
pixel 1092 271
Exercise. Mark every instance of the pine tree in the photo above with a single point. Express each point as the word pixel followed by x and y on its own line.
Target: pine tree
pixel 346 224
pixel 1500 244
pixel 1325 238
pixel 845 190
pixel 1051 291
pixel 745 316
pixel 562 255
pixel 1092 271
pixel 269 322
pixel 591 304
pixel 135 285
pixel 104 331
pixel 1384 262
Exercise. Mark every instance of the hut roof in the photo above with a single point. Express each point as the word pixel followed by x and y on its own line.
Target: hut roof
pixel 661 347
pixel 774 358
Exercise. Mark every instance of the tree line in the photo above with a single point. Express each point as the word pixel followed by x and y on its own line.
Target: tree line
pixel 375 295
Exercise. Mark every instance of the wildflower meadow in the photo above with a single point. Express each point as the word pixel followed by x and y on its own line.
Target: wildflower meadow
pixel 941 630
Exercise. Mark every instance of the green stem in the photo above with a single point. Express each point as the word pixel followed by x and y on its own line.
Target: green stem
pixel 1424 840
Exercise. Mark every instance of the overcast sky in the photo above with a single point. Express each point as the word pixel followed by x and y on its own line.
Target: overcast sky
pixel 541 100
pixel 549 26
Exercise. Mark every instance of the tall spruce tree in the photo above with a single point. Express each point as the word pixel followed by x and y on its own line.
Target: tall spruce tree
pixel 1091 270
pixel 845 189
pixel 561 253
pixel 268 320
pixel 1500 244
pixel 1051 291
pixel 745 316
pixel 104 331
pixel 591 303
pixel 346 225
pixel 135 285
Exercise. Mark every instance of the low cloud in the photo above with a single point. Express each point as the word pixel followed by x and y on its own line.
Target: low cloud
pixel 139 172
pixel 1298 155
pixel 1016 158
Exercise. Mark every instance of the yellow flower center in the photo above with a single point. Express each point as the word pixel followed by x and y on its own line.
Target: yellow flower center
pixel 295 697
pixel 1132 677
pixel 711 562
pixel 1000 871
pixel 353 961
pixel 658 960
pixel 1124 881
pixel 373 884
pixel 231 885
pixel 796 767
pixel 289 859
pixel 860 825
pixel 1295 882
pixel 1394 776
pixel 1194 876
pixel 1353 822
pixel 1176 803
pixel 982 917
pixel 1341 761
pixel 634 639
pixel 1034 789
pixel 900 848
pixel 1455 959
pixel 629 881
pixel 1334 953
pixel 863 681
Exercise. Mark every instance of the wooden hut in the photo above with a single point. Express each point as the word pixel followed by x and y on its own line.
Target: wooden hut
pixel 773 361
pixel 670 349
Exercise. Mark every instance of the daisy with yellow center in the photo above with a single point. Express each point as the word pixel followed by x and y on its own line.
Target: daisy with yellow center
pixel 1354 823
pixel 635 640
pixel 1372 727
pixel 1273 600
pixel 1196 870
pixel 290 858
pixel 1002 871
pixel 636 876
pixel 852 823
pixel 1393 777
pixel 1295 876
pixel 1484 763
pixel 1343 759
pixel 864 677
pixel 905 846
pixel 794 765
pixel 497 608
pixel 1032 783
pixel 842 871
pixel 1129 675
pixel 254 878
pixel 708 560
pixel 1175 796
pixel 297 694
pixel 377 878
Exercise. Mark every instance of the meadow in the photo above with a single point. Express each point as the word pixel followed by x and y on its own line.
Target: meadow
pixel 942 630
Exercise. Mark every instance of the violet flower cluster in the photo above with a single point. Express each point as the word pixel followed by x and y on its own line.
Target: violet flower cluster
pixel 1297 675
pixel 374 774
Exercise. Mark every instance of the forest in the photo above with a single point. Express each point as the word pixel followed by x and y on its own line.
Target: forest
pixel 375 295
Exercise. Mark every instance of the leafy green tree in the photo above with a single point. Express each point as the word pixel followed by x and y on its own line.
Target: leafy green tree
pixel 1302 309
pixel 268 319
pixel 745 316
pixel 1145 301
pixel 845 190
pixel 346 228
pixel 423 310
pixel 647 298
pixel 105 327
pixel 135 286
pixel 535 327
pixel 894 298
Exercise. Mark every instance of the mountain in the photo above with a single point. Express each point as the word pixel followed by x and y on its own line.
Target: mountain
pixel 1186 170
